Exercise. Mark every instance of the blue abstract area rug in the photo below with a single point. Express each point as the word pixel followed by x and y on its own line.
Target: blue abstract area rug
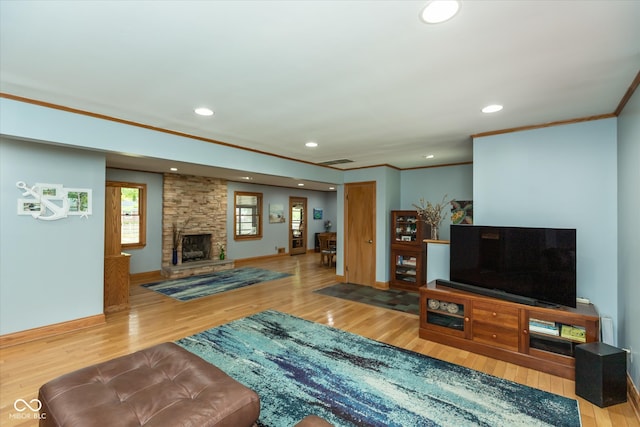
pixel 407 302
pixel 299 367
pixel 188 288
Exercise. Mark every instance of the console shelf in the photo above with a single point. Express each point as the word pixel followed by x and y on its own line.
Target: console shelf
pixel 536 337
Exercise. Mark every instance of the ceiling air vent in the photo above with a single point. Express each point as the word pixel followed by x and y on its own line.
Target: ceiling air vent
pixel 336 162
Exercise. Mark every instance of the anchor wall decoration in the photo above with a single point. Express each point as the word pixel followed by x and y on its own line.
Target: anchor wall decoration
pixel 50 202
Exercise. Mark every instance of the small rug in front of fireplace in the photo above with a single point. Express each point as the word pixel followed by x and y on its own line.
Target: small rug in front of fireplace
pixel 189 288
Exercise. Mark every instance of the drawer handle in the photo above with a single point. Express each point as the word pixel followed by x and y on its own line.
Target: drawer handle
pixel 525 332
pixel 494 336
pixel 494 314
pixel 466 319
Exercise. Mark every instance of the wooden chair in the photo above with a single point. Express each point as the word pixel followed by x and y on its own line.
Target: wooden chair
pixel 327 248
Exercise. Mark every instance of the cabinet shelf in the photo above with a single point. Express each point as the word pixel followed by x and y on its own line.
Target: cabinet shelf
pixel 552 344
pixel 448 308
pixel 446 313
pixel 447 321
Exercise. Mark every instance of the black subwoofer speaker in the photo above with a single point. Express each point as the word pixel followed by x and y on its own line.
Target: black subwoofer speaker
pixel 601 372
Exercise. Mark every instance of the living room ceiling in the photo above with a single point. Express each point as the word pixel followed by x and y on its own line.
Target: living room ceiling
pixel 369 81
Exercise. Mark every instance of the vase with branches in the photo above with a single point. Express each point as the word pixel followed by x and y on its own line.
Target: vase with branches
pixel 176 237
pixel 433 214
pixel 176 233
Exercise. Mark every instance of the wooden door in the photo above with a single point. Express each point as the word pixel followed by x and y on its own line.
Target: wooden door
pixel 297 225
pixel 360 233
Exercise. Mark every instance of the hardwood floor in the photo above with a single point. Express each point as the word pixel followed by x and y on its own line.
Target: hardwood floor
pixel 154 318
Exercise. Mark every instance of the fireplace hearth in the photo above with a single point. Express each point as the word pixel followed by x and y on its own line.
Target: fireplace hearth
pixel 196 247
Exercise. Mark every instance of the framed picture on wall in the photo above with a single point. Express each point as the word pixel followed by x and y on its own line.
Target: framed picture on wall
pixel 276 213
pixel 50 191
pixel 28 206
pixel 317 213
pixel 79 201
pixel 462 211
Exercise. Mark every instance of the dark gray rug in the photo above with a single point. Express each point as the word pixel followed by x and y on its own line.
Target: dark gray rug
pixel 390 298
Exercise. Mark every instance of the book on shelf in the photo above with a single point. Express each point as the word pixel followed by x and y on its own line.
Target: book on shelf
pixel 577 333
pixel 543 330
pixel 542 322
pixel 544 327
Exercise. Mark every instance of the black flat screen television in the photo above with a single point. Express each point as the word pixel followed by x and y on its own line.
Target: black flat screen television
pixel 535 266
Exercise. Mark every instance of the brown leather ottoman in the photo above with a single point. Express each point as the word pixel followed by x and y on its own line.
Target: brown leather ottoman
pixel 163 385
pixel 313 421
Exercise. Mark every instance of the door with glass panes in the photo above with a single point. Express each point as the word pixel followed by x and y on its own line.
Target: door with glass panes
pixel 297 225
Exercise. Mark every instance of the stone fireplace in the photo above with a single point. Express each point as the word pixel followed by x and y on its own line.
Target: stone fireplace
pixel 196 247
pixel 197 207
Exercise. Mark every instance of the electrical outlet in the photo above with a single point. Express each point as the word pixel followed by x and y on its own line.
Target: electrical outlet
pixel 276 248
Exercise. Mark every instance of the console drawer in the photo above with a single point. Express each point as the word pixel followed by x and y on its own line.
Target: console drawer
pixel 500 315
pixel 497 336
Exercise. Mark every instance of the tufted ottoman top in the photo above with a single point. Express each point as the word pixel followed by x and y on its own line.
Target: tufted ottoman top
pixel 163 385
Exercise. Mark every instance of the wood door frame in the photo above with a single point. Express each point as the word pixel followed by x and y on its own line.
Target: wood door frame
pixel 348 233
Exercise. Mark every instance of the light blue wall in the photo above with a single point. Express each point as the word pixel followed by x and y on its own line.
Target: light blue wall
pixel 560 176
pixel 330 212
pixel 148 258
pixel 433 184
pixel 50 271
pixel 629 233
pixel 437 261
pixel 277 235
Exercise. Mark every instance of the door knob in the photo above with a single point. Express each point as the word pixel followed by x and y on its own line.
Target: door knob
pixel 370 241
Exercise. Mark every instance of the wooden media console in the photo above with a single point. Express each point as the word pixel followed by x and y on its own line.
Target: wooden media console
pixel 536 337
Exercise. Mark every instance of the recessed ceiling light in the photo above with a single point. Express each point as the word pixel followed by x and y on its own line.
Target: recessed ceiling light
pixel 248 178
pixel 332 188
pixel 300 184
pixel 493 108
pixel 429 156
pixel 437 11
pixel 203 111
pixel 174 169
pixel 311 144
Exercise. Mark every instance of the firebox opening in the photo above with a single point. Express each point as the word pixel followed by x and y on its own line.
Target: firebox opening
pixel 196 247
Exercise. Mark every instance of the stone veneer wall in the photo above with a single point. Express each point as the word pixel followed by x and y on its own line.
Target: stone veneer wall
pixel 197 205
